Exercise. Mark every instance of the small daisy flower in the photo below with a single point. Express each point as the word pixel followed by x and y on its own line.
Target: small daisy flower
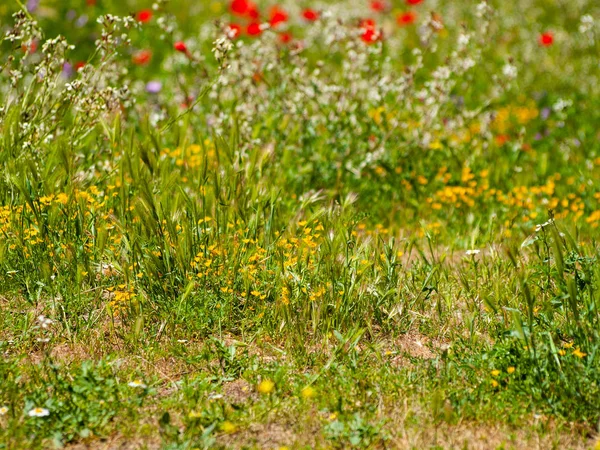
pixel 38 412
pixel 137 384
pixel 3 410
pixel 472 252
pixel 44 321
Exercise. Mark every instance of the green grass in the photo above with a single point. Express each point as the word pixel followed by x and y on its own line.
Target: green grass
pixel 320 244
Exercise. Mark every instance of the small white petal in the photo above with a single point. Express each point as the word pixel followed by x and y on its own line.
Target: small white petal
pixel 38 412
pixel 137 384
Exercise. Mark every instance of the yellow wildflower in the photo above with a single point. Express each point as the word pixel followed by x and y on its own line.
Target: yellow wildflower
pixel 228 427
pixel 308 392
pixel 266 387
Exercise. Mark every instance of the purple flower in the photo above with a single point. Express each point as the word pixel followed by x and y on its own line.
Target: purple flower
pixel 81 21
pixel 67 70
pixel 32 5
pixel 153 87
pixel 545 113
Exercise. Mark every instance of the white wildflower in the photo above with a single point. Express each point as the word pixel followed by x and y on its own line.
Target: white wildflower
pixel 137 384
pixel 586 24
pixel 541 226
pixel 44 321
pixel 509 71
pixel 38 412
pixel 561 104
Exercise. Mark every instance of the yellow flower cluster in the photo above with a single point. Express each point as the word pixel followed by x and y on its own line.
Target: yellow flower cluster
pixel 120 298
pixel 193 156
pixel 508 116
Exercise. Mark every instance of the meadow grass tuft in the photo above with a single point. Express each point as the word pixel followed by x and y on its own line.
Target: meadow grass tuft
pixel 343 225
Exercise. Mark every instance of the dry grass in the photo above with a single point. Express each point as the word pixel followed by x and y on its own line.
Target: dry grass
pixel 305 433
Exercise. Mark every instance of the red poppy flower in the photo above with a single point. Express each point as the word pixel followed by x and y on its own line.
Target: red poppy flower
pixel 181 47
pixel 278 16
pixel 184 105
pixel 79 65
pixel 378 5
pixel 244 8
pixel 233 30
pixel 253 12
pixel 413 2
pixel 367 24
pixel 285 37
pixel 310 14
pixel 240 7
pixel 257 77
pixel 90 2
pixel 142 57
pixel 370 34
pixel 406 18
pixel 547 39
pixel 501 139
pixel 144 15
pixel 32 47
pixel 253 29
